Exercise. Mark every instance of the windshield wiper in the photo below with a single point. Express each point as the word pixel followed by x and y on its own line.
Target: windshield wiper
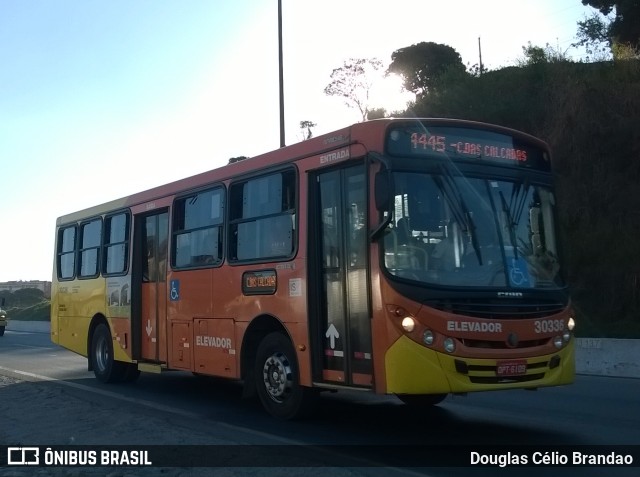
pixel 515 209
pixel 511 225
pixel 459 208
pixel 518 199
pixel 471 226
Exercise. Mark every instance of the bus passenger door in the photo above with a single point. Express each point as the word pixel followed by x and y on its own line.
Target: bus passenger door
pixel 340 323
pixel 151 236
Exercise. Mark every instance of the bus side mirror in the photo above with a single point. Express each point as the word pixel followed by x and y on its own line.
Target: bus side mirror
pixel 382 192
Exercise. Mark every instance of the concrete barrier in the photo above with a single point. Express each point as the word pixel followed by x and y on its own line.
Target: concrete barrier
pixel 594 356
pixel 608 357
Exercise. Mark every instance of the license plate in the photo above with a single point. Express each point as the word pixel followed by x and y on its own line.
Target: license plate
pixel 516 367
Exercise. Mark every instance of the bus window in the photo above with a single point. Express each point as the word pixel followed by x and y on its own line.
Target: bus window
pixel 66 253
pixel 116 244
pixel 90 238
pixel 197 228
pixel 262 217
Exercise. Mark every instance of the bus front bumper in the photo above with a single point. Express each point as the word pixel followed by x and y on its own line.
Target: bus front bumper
pixel 415 369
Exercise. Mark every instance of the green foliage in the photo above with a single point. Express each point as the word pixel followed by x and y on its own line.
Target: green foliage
pixel 26 304
pixel 38 312
pixel 21 298
pixel 590 116
pixel 598 175
pixel 594 34
pixel 625 52
pixel 512 96
pixel 376 113
pixel 423 64
pixel 625 27
pixel 536 55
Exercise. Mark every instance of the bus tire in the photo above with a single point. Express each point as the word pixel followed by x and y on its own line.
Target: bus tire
pixel 105 368
pixel 421 400
pixel 277 379
pixel 2 330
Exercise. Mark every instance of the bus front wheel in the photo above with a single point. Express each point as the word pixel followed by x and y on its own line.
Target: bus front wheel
pixel 2 330
pixel 277 379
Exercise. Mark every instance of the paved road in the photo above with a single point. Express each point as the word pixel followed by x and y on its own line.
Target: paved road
pixel 177 408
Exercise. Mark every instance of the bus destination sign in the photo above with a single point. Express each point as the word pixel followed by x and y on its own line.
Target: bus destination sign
pixel 464 143
pixel 259 282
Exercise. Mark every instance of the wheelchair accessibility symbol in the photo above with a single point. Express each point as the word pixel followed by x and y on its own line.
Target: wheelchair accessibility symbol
pixel 519 273
pixel 174 291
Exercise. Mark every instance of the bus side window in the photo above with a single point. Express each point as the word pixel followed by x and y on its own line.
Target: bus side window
pixel 66 253
pixel 90 243
pixel 262 217
pixel 115 253
pixel 197 229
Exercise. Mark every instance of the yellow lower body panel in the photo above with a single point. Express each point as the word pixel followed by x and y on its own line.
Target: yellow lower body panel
pixel 415 369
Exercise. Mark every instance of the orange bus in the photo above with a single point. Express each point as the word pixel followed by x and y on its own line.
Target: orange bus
pixel 409 257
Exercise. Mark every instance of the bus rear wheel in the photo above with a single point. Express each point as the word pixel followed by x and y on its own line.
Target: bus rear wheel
pixel 278 380
pixel 421 400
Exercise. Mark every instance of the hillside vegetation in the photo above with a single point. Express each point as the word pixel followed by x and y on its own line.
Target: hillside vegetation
pixel 590 116
pixel 28 304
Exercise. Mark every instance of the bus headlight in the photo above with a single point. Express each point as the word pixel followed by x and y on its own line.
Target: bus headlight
pixel 571 324
pixel 449 345
pixel 558 342
pixel 566 336
pixel 428 338
pixel 408 324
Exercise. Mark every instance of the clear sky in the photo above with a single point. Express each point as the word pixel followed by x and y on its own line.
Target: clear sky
pixel 100 99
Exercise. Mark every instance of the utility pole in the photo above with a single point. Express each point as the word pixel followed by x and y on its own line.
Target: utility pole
pixel 480 54
pixel 281 82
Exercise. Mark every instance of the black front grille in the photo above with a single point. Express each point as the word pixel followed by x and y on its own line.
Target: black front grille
pixel 485 344
pixel 497 308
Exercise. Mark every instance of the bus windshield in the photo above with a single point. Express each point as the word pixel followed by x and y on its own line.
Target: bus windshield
pixel 454 230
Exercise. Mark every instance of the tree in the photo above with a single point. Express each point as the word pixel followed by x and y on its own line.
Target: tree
pixel 536 55
pixel 421 65
pixel 377 113
pixel 308 134
pixel 353 82
pixel 594 34
pixel 625 27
